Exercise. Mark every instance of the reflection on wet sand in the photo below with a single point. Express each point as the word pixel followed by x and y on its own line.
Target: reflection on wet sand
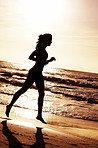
pixel 13 142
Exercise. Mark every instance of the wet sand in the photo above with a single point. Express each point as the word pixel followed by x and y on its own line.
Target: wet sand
pixel 59 132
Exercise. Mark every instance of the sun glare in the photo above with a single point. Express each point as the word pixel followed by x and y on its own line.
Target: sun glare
pixel 40 9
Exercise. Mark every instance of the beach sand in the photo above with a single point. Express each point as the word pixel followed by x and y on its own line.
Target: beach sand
pixel 60 131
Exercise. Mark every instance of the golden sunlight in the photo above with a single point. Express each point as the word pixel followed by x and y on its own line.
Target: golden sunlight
pixel 41 10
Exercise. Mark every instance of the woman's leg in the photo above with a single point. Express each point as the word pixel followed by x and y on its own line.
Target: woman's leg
pixel 40 87
pixel 29 81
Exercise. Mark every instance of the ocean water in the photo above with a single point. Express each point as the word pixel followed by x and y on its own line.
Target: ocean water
pixel 68 93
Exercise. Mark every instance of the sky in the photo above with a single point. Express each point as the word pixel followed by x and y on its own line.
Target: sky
pixel 73 24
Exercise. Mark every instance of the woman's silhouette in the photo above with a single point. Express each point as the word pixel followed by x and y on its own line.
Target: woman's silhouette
pixel 35 74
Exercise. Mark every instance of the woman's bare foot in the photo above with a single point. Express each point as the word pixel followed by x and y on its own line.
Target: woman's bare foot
pixel 41 119
pixel 7 110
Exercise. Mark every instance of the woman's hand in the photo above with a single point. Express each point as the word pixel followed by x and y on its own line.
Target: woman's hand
pixel 52 59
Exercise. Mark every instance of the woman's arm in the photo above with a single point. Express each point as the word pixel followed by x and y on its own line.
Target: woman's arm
pixel 33 56
pixel 52 59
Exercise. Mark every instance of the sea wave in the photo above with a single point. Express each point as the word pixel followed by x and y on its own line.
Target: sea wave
pixel 77 85
pixel 72 82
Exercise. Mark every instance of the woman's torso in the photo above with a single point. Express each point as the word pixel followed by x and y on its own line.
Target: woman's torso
pixel 41 57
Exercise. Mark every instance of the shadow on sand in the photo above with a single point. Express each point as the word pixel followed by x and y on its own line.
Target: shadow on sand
pixel 14 142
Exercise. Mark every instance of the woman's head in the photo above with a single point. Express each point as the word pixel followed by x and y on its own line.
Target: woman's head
pixel 44 40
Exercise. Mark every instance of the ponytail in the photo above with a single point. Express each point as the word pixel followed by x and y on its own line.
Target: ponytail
pixel 39 42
